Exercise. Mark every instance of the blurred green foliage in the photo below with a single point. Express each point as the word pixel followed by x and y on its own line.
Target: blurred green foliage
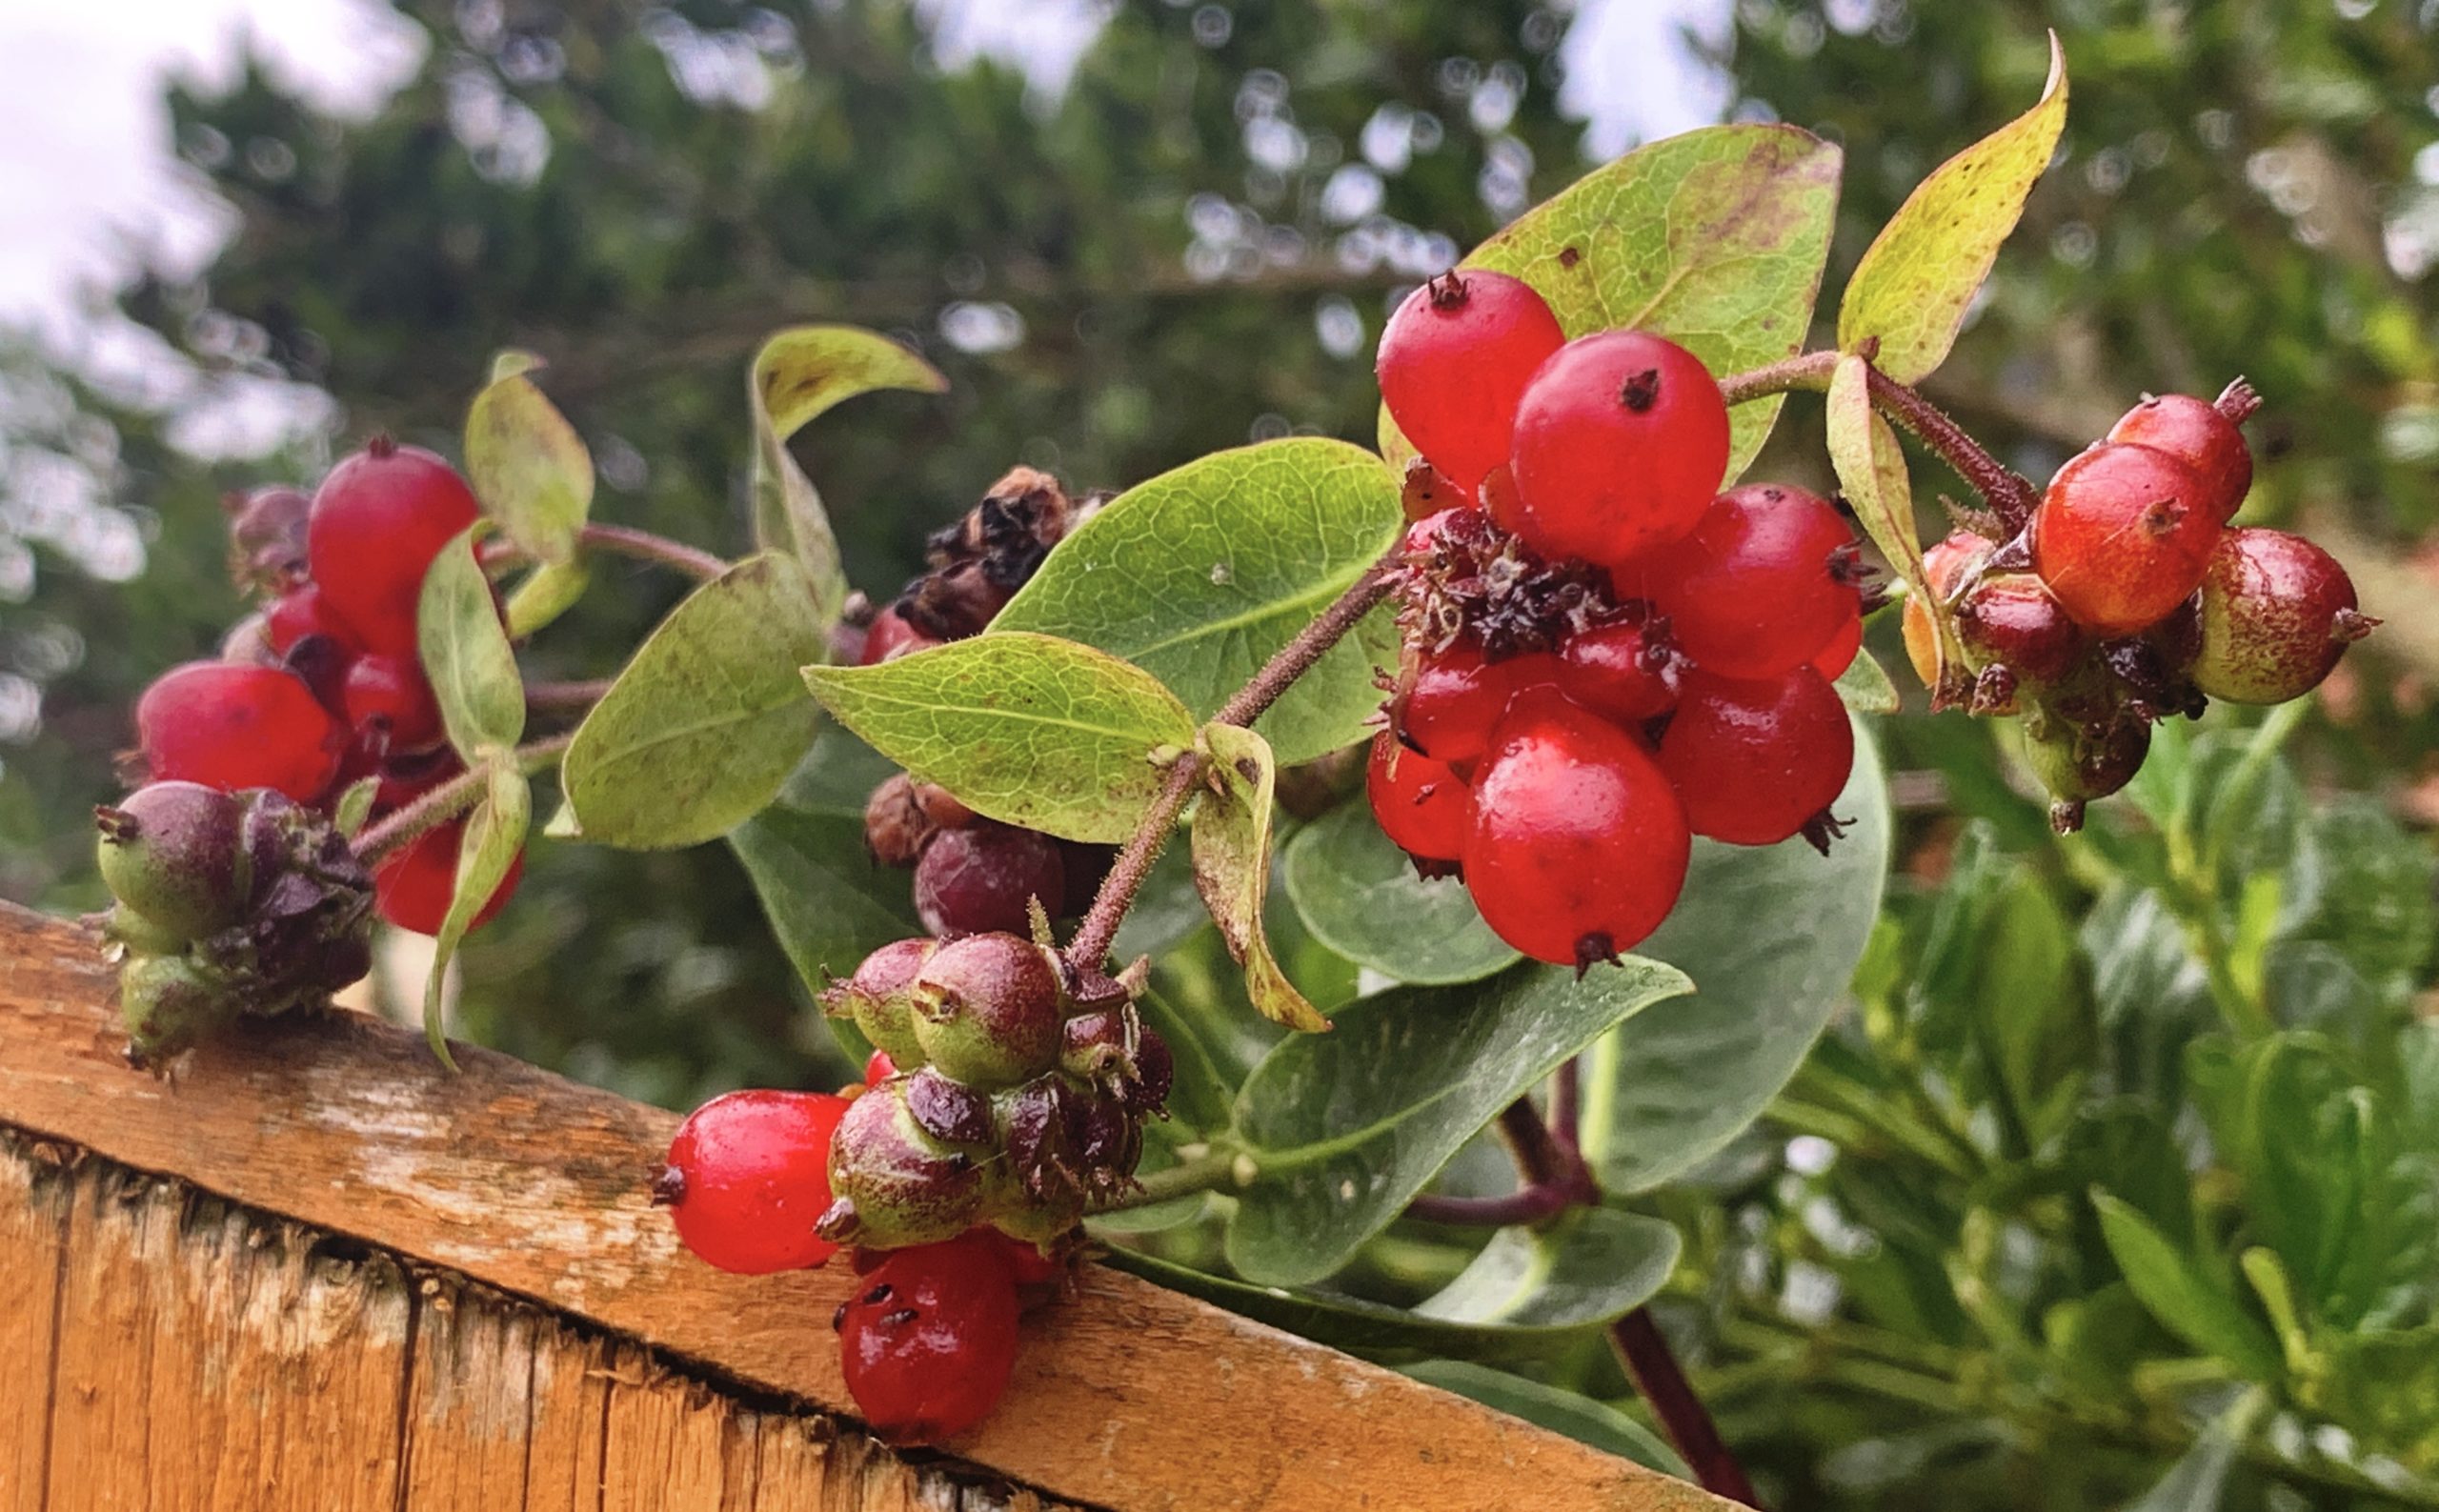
pixel 1901 1292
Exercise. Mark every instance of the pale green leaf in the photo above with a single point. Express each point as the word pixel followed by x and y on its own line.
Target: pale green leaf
pixel 528 466
pixel 2181 1295
pixel 465 652
pixel 545 594
pixel 1865 687
pixel 487 848
pixel 1871 472
pixel 1232 868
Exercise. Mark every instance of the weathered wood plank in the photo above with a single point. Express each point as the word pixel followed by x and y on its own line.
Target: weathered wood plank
pixel 470 1401
pixel 1130 1397
pixel 33 1235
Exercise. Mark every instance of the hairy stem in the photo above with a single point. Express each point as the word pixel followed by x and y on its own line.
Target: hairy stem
pixel 447 802
pixel 2009 496
pixel 644 546
pixel 1647 1358
pixel 1089 950
pixel 565 697
pixel 1216 1169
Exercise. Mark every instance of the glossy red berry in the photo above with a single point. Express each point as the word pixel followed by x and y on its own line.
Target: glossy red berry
pixel 1421 804
pixel 1834 659
pixel 879 1068
pixel 2277 613
pixel 393 691
pixel 1455 358
pixel 929 1338
pixel 747 1175
pixel 1768 577
pixel 2121 535
pixel 1621 441
pixel 1624 672
pixel 979 878
pixel 1578 848
pixel 893 635
pixel 2196 433
pixel 299 612
pixel 229 727
pixel 1458 695
pixel 1756 763
pixel 413 888
pixel 2012 619
pixel 378 520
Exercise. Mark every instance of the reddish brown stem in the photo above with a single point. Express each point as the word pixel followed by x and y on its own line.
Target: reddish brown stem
pixel 446 802
pixel 1089 950
pixel 1644 1352
pixel 565 697
pixel 645 546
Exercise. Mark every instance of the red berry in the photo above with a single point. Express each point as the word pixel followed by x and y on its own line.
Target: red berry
pixel 1458 695
pixel 1578 848
pixel 1756 763
pixel 2012 619
pixel 1423 536
pixel 1623 673
pixel 877 1069
pixel 1621 441
pixel 928 1338
pixel 1835 658
pixel 229 727
pixel 980 878
pixel 1421 804
pixel 1945 565
pixel 1453 359
pixel 1769 576
pixel 412 887
pixel 746 1176
pixel 393 691
pixel 2276 612
pixel 299 612
pixel 2196 433
pixel 893 635
pixel 380 518
pixel 2123 535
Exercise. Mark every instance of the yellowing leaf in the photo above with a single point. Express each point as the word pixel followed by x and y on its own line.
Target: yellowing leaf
pixel 1871 471
pixel 1915 282
pixel 488 847
pixel 527 465
pixel 1232 868
pixel 465 652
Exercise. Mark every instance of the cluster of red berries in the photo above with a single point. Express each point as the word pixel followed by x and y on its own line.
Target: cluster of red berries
pixel 2128 600
pixel 1603 655
pixel 322 688
pixel 973 875
pixel 1008 1092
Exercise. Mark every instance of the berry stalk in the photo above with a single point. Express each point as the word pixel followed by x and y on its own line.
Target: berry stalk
pixel 1089 950
pixel 2009 496
pixel 449 800
pixel 644 546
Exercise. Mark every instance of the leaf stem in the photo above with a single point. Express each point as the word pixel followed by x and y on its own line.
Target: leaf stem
pixel 2009 496
pixel 1645 1351
pixel 447 802
pixel 1221 1166
pixel 565 697
pixel 644 546
pixel 1089 950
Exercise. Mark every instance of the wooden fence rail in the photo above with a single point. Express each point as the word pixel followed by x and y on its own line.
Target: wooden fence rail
pixel 317 1271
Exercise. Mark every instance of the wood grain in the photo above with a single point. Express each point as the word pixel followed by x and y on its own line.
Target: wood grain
pixel 1127 1396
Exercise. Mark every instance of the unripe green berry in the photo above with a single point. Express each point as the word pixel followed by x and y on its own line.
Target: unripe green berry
pixel 895 1183
pixel 169 1004
pixel 876 999
pixel 172 854
pixel 988 1009
pixel 2078 762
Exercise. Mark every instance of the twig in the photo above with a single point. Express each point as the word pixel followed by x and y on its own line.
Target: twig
pixel 1682 1416
pixel 447 802
pixel 1554 1174
pixel 645 546
pixel 565 697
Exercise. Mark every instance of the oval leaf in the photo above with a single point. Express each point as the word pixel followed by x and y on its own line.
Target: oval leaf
pixel 1871 472
pixel 465 653
pixel 1344 1128
pixel 2181 1296
pixel 1714 238
pixel 797 375
pixel 528 466
pixel 1201 575
pixel 708 719
pixel 1232 868
pixel 1027 729
pixel 1523 1293
pixel 1865 687
pixel 544 594
pixel 1577 1417
pixel 489 845
pixel 1359 896
pixel 1919 274
pixel 1771 937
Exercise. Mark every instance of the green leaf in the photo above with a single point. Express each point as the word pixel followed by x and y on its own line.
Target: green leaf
pixel 1359 896
pixel 493 837
pixel 1915 282
pixel 707 721
pixel 465 652
pixel 528 466
pixel 797 375
pixel 1771 937
pixel 1520 1296
pixel 544 594
pixel 1201 1096
pixel 1027 729
pixel 2181 1295
pixel 828 904
pixel 1577 1417
pixel 1865 687
pixel 355 806
pixel 1714 238
pixel 1201 575
pixel 1871 471
pixel 1232 868
pixel 2197 1481
pixel 1344 1128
